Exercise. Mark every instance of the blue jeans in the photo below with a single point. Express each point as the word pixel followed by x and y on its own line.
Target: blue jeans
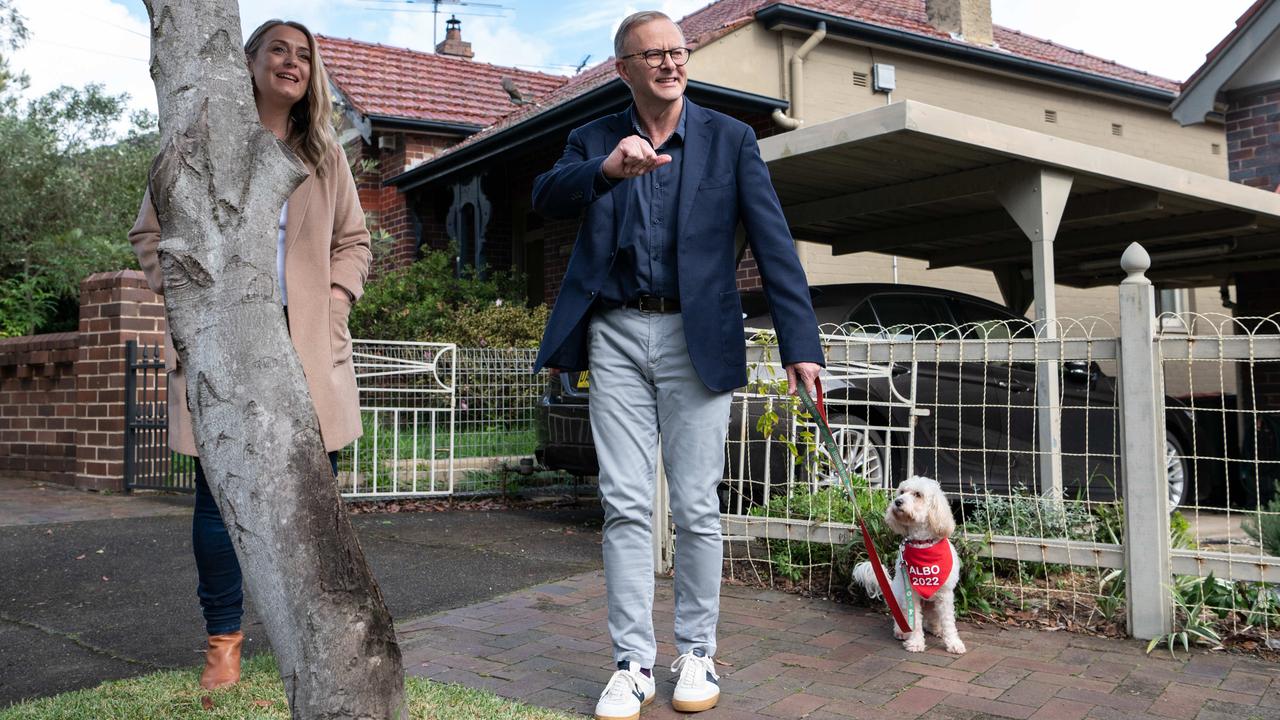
pixel 220 585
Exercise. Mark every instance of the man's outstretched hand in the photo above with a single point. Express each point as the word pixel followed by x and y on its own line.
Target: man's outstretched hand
pixel 632 157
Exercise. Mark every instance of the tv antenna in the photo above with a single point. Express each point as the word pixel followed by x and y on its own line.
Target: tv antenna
pixel 487 10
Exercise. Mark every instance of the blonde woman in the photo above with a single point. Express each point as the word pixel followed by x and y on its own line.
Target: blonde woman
pixel 322 260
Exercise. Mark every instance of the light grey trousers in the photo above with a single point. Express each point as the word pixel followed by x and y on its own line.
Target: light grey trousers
pixel 642 384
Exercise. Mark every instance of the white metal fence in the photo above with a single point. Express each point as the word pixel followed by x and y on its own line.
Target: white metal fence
pixel 1063 525
pixel 409 410
pixel 442 420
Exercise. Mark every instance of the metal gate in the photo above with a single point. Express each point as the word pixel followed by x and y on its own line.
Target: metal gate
pixel 148 462
pixel 408 407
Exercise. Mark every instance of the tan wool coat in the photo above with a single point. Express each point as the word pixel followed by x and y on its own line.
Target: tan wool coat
pixel 326 244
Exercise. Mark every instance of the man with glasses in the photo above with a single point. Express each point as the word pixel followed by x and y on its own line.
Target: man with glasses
pixel 649 305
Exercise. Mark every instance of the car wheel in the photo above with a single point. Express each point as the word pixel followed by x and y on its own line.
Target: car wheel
pixel 863 450
pixel 1178 470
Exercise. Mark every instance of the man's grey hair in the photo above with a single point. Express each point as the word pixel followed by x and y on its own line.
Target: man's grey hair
pixel 633 21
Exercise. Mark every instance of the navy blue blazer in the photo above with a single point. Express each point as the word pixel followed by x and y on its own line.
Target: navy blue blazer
pixel 723 182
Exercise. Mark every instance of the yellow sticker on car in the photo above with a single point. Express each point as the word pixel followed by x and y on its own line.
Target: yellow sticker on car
pixel 584 381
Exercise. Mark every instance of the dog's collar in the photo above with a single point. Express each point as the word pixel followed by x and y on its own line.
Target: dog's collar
pixel 922 544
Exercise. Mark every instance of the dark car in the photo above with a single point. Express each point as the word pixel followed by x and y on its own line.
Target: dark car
pixel 971 425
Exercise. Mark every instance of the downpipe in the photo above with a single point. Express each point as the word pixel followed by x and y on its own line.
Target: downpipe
pixel 797 81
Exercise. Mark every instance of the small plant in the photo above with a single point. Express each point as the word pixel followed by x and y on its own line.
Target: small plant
pixel 1026 514
pixel 790 558
pixel 1196 602
pixel 1265 526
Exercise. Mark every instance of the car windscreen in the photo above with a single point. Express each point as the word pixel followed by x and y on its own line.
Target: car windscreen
pixel 991 323
pixel 911 314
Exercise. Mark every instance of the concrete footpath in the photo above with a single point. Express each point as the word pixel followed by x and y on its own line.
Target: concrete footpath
pixel 96 599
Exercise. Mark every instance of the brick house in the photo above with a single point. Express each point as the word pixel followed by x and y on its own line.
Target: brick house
pixel 474 190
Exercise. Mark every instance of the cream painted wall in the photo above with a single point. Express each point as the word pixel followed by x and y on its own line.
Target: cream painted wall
pixel 755 59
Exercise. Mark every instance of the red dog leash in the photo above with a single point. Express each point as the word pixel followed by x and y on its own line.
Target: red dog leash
pixel 819 411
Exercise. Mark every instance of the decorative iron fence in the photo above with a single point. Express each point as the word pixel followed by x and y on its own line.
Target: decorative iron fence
pixel 438 420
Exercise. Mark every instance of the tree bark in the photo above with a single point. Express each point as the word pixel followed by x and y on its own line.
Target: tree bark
pixel 218 185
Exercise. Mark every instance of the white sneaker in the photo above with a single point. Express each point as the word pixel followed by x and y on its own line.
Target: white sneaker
pixel 698 688
pixel 628 691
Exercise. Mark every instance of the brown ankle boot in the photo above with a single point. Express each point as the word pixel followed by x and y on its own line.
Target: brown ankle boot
pixel 222 661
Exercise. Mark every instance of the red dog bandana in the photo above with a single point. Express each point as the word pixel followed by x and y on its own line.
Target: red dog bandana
pixel 928 567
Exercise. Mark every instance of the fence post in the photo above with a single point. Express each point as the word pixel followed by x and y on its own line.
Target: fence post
pixel 1145 485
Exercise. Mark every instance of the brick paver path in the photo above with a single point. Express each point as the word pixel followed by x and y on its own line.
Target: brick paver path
pixel 784 656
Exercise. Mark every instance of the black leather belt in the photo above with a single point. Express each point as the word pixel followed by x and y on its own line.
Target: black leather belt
pixel 653 304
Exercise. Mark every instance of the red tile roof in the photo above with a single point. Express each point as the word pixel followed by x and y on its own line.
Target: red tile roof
pixel 402 83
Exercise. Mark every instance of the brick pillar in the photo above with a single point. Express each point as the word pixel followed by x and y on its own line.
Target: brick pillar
pixel 115 307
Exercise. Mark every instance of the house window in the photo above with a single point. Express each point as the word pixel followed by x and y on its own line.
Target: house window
pixel 1051 116
pixel 1172 306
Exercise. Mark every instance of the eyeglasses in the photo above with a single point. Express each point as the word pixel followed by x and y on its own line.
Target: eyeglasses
pixel 653 58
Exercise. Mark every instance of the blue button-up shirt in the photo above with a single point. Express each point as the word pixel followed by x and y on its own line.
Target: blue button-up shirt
pixel 646 226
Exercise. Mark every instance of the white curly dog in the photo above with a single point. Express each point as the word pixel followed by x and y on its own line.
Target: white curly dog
pixel 927 568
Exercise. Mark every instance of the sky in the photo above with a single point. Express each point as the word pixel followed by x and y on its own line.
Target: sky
pixel 75 42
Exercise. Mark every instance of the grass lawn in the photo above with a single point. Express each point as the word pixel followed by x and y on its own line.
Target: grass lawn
pixel 176 695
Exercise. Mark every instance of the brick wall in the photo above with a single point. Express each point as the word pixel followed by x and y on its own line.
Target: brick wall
pixel 1253 138
pixel 1253 155
pixel 62 395
pixel 37 407
pixel 385 206
pixel 115 308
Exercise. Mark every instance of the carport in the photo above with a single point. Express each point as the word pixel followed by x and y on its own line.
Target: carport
pixel 958 190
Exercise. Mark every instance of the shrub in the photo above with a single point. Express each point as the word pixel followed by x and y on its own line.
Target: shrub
pixel 498 325
pixel 428 302
pixel 791 558
pixel 1265 528
pixel 1028 515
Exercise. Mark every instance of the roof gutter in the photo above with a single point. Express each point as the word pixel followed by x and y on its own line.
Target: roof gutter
pixel 785 17
pixel 391 122
pixel 597 101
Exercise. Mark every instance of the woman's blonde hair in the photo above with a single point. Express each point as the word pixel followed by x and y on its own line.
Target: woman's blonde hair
pixel 311 130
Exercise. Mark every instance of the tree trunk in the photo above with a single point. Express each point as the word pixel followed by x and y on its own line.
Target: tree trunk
pixel 218 186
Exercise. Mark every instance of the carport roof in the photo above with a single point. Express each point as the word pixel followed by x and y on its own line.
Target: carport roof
pixel 923 182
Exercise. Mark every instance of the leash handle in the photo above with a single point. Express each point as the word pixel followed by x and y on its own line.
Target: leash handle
pixel 819 411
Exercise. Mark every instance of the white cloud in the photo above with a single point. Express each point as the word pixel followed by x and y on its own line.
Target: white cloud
pixel 94 41
pixel 1168 38
pixel 493 39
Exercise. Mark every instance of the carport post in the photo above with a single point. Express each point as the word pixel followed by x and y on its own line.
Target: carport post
pixel 1035 197
pixel 663 547
pixel 1145 485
